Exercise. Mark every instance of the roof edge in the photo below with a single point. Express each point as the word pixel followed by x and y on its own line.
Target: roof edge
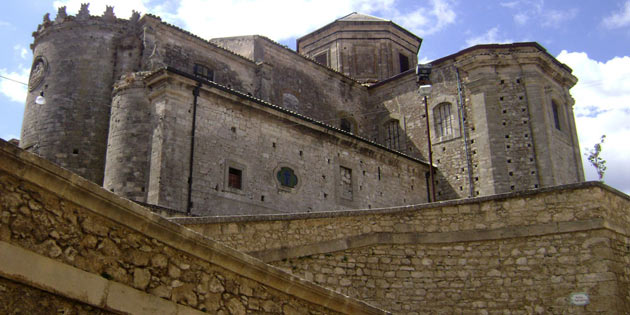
pixel 495 46
pixel 339 20
pixel 289 112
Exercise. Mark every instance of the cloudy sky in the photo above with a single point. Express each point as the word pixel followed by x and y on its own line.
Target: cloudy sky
pixel 592 37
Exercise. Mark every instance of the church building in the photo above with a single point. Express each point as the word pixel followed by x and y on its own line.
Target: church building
pixel 244 125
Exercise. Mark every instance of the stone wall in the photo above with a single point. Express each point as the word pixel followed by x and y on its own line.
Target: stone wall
pixel 73 68
pixel 86 244
pixel 523 252
pixel 531 275
pixel 167 45
pixel 131 126
pixel 502 127
pixel 301 85
pixel 258 139
pixel 18 298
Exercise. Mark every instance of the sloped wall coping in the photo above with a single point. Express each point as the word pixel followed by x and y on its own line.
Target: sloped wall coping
pixel 65 184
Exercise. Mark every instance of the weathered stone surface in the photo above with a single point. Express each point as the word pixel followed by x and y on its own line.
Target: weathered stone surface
pixel 141 278
pixel 18 298
pixel 117 255
pixel 454 266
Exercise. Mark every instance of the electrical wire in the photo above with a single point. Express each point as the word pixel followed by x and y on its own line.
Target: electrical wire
pixel 14 80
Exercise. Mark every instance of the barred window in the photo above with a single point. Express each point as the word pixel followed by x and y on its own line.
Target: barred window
pixel 322 58
pixel 443 120
pixel 392 134
pixel 204 72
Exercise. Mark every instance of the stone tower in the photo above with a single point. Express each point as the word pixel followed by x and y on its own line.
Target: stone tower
pixel 74 69
pixel 363 47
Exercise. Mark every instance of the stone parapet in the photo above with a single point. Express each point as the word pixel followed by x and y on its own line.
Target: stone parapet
pixel 66 223
pixel 527 208
pixel 523 252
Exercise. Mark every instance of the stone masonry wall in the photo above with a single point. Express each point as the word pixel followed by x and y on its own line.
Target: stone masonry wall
pixel 260 233
pixel 131 126
pixel 529 275
pixel 74 61
pixel 124 243
pixel 167 45
pixel 18 298
pixel 258 140
pixel 316 91
pixel 523 252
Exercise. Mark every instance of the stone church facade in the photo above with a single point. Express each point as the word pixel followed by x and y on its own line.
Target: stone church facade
pixel 243 125
pixel 238 139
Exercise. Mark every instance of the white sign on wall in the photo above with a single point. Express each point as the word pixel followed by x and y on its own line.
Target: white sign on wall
pixel 579 299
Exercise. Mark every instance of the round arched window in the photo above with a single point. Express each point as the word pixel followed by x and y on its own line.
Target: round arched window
pixel 287 178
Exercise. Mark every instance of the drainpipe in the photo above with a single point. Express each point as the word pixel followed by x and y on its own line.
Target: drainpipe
pixel 195 93
pixel 462 117
pixel 426 113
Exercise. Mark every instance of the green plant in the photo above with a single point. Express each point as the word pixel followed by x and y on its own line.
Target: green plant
pixel 593 156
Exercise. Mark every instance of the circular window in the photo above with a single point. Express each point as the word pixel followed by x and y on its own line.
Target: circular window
pixel 287 178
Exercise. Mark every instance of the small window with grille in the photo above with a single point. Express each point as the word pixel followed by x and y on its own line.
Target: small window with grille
pixel 443 120
pixel 322 58
pixel 204 72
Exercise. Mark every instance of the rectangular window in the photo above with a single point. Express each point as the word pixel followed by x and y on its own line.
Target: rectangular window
pixel 404 62
pixel 392 135
pixel 443 120
pixel 345 175
pixel 322 58
pixel 204 72
pixel 235 178
pixel 556 115
pixel 345 125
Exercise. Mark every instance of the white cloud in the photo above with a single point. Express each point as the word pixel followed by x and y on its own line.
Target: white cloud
pixel 554 18
pixel 602 106
pixel 489 37
pixel 535 10
pixel 282 21
pixel 14 91
pixel 423 21
pixel 510 4
pixel 618 19
pixel 279 20
pixel 21 50
pixel 521 18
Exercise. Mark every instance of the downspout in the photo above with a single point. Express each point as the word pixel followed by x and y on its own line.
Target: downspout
pixel 431 171
pixel 462 117
pixel 195 93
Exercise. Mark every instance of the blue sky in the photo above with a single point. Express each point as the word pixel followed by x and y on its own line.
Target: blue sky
pixel 592 37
